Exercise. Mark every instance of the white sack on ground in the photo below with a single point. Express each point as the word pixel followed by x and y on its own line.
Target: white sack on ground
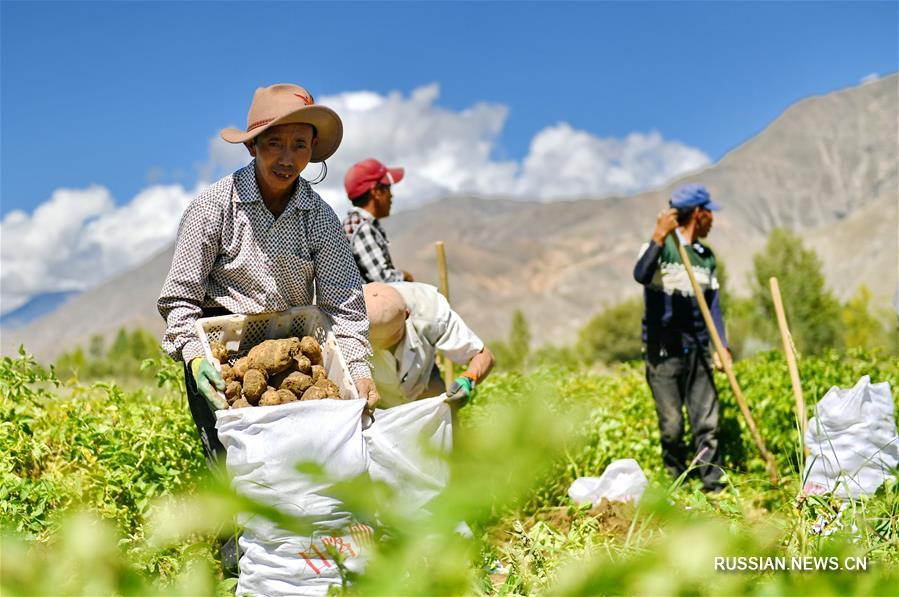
pixel 264 446
pixel 407 447
pixel 622 481
pixel 852 441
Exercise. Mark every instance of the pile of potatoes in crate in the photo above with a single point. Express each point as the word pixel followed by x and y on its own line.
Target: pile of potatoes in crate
pixel 276 372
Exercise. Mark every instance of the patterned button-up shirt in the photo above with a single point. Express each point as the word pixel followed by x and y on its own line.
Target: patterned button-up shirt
pixel 370 247
pixel 232 252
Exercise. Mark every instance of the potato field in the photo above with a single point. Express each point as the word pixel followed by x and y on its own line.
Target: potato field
pixel 104 491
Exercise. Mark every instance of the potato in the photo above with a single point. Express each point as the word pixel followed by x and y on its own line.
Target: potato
pixel 240 367
pixel 219 351
pixel 318 372
pixel 311 349
pixel 254 385
pixel 293 346
pixel 241 403
pixel 297 383
pixel 276 380
pixel 270 398
pixel 276 372
pixel 228 373
pixel 272 356
pixel 303 364
pixel 329 387
pixel 314 393
pixel 286 396
pixel 232 391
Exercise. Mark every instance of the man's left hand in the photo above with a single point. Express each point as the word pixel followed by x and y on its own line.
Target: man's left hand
pixel 717 360
pixel 460 391
pixel 368 391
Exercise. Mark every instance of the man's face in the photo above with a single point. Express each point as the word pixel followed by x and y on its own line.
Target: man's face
pixel 382 200
pixel 704 220
pixel 281 153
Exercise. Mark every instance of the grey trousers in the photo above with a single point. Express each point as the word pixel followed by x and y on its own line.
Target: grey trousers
pixel 685 380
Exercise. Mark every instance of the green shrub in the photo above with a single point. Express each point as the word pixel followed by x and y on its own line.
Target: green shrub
pixel 512 354
pixel 121 360
pixel 614 335
pixel 812 310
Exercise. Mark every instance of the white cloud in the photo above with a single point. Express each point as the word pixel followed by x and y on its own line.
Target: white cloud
pixel 80 237
pixel 870 78
pixel 564 162
pixel 448 152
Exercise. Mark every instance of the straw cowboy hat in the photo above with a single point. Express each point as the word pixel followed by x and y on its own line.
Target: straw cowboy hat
pixel 285 104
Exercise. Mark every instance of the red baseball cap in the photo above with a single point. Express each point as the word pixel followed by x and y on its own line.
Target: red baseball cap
pixel 363 176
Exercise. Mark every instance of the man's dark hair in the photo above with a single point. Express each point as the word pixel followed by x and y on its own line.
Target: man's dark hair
pixel 363 199
pixel 684 214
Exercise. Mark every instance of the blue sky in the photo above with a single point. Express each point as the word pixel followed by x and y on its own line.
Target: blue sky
pixel 110 111
pixel 127 94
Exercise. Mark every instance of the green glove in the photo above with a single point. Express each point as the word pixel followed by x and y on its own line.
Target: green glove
pixel 461 390
pixel 208 380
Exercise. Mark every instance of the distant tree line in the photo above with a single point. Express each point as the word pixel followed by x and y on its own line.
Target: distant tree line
pixel 121 359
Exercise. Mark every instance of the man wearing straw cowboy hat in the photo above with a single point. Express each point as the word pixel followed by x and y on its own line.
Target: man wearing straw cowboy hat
pixel 262 240
pixel 675 337
pixel 368 186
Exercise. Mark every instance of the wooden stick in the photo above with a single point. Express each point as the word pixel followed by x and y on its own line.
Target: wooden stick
pixel 790 354
pixel 444 290
pixel 725 362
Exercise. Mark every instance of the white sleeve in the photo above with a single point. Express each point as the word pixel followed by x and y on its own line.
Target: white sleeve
pixel 437 323
pixel 450 335
pixel 458 342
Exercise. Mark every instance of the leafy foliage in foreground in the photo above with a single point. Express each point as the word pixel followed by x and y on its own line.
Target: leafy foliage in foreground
pixel 69 447
pixel 98 445
pixel 110 452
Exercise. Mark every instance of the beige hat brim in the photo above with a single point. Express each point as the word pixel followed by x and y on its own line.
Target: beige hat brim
pixel 325 120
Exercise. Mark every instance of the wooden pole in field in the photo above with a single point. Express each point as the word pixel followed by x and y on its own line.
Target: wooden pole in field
pixel 725 362
pixel 444 290
pixel 790 354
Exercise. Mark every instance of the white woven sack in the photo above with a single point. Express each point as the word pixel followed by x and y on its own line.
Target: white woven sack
pixel 852 441
pixel 264 445
pixel 407 448
pixel 622 481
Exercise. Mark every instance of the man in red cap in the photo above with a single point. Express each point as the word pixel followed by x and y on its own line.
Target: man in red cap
pixel 368 187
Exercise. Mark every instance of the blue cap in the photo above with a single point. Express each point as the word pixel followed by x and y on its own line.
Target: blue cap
pixel 692 195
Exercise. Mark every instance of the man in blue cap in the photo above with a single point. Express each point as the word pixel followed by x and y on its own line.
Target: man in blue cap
pixel 675 337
